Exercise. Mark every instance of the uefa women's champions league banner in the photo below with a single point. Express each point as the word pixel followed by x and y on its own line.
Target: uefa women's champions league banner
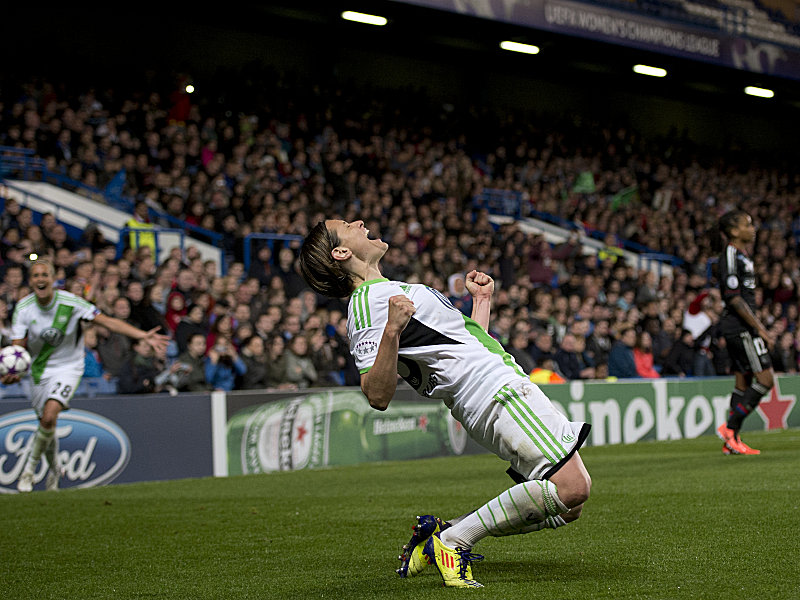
pixel 123 439
pixel 723 46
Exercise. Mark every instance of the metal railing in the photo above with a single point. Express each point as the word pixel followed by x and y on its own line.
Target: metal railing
pixel 135 235
pixel 21 163
pixel 270 238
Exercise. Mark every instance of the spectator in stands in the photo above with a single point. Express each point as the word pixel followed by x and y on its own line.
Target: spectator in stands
pixel 519 347
pixel 599 342
pixel 540 269
pixel 680 359
pixel 720 355
pixel 291 326
pixel 458 295
pixel 277 373
pixel 192 323
pixel 643 356
pixel 185 283
pixel 138 224
pixel 13 280
pixel 500 327
pixel 5 324
pixel 221 329
pixel 293 284
pixel 115 348
pixel 621 363
pixel 262 268
pixel 300 369
pixel 784 354
pixel 39 245
pixel 700 318
pixel 572 363
pixel 176 310
pixel 10 215
pixel 189 367
pixel 92 364
pixel 59 239
pixel 141 370
pixel 255 359
pixel 542 348
pixel 323 359
pixel 223 364
pixel 341 346
pixel 142 310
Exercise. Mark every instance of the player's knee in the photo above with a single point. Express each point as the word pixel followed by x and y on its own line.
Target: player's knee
pixel 575 491
pixel 47 422
pixel 766 379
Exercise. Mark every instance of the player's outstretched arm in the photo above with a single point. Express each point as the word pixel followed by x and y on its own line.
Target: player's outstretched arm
pixel 157 340
pixel 481 288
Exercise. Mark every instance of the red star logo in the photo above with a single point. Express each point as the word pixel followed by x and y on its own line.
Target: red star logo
pixel 301 433
pixel 775 411
pixel 423 422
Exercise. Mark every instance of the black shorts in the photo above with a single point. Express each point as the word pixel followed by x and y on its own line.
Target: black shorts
pixel 748 352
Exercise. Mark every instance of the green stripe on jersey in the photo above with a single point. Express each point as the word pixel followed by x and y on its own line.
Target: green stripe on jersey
pixel 361 314
pixel 491 344
pixel 63 314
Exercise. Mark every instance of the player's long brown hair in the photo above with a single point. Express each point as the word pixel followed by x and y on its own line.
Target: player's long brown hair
pixel 321 272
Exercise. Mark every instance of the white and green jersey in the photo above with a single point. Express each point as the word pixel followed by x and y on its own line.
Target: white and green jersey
pixel 53 332
pixel 443 353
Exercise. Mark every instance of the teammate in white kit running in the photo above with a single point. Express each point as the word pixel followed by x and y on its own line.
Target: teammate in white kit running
pixel 413 330
pixel 48 323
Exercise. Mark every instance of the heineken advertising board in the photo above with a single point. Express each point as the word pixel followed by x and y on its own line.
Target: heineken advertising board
pixel 337 426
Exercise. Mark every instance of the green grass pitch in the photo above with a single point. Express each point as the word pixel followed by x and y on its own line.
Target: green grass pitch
pixel 665 520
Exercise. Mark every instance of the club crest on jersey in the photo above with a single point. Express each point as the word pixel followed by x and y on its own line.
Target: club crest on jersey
pixel 52 336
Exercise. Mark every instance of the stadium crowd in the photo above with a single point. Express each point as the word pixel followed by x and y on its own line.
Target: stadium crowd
pixel 279 153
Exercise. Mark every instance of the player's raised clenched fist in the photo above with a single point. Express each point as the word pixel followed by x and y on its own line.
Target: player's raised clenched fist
pixel 401 309
pixel 479 284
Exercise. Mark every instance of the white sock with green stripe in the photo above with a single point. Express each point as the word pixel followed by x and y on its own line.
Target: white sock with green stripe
pixel 51 453
pixel 41 440
pixel 526 507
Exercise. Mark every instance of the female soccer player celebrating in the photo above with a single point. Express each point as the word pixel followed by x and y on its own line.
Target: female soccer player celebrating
pixel 48 323
pixel 413 330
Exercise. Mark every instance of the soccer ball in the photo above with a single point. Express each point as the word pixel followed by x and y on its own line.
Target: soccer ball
pixel 14 360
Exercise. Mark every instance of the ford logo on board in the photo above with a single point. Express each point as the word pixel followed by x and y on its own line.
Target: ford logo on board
pixel 93 449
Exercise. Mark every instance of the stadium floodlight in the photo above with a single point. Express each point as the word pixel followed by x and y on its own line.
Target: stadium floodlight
pixel 350 15
pixel 517 47
pixel 757 91
pixel 651 71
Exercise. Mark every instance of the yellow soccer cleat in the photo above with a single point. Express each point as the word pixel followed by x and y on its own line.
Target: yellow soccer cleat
pixel 453 564
pixel 412 559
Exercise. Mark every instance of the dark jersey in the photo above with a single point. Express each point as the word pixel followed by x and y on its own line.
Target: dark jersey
pixel 736 278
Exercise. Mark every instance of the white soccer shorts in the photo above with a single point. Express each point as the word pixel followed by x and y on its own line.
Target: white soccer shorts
pixel 59 385
pixel 523 427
